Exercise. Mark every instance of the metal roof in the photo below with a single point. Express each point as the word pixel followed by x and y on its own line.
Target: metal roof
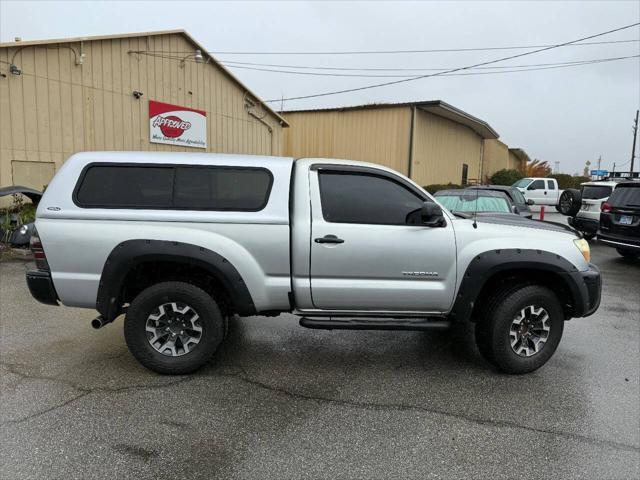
pixel 182 32
pixel 436 107
pixel 520 154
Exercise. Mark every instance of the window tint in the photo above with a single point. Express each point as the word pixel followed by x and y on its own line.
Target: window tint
pixel 537 185
pixel 550 185
pixel 195 188
pixel 216 188
pixel 124 186
pixel 625 197
pixel 595 192
pixel 365 198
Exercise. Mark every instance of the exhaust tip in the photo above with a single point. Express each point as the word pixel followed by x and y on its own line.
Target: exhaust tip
pixel 98 322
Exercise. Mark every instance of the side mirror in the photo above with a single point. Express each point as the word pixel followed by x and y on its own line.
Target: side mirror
pixel 431 215
pixel 514 209
pixel 530 187
pixel 530 202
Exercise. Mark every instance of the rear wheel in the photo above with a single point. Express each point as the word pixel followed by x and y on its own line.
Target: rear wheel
pixel 520 328
pixel 173 328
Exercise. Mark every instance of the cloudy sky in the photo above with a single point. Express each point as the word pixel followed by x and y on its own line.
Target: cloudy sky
pixel 569 115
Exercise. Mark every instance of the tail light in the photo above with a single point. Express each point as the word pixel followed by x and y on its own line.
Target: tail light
pixel 38 252
pixel 605 207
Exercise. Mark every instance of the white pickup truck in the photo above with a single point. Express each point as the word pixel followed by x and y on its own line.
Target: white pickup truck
pixel 543 191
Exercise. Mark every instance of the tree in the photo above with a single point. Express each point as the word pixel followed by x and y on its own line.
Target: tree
pixel 506 177
pixel 536 168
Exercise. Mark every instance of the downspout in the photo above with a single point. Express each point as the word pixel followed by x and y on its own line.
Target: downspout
pixel 262 121
pixel 411 130
pixel 481 161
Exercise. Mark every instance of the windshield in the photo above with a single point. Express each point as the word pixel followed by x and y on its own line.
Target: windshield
pixel 595 192
pixel 522 183
pixel 467 203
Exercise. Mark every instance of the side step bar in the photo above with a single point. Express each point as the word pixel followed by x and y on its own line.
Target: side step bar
pixel 328 323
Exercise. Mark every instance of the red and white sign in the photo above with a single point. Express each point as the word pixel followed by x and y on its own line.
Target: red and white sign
pixel 176 125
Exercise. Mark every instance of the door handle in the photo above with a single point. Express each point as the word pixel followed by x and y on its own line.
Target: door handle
pixel 329 239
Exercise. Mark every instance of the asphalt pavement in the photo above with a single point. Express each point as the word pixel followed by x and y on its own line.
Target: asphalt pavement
pixel 281 401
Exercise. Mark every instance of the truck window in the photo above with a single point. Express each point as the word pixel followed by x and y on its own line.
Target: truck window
pixel 625 197
pixel 550 185
pixel 174 187
pixel 537 185
pixel 222 188
pixel 124 186
pixel 365 198
pixel 522 183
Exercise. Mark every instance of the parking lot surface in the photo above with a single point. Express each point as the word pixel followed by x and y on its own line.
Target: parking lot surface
pixel 280 401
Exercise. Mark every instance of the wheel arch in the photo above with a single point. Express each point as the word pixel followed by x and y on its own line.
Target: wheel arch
pixel 489 270
pixel 175 260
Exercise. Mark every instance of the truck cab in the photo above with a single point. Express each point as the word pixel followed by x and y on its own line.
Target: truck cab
pixel 543 191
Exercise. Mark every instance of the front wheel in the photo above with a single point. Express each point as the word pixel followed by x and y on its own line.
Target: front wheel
pixel 173 328
pixel 520 328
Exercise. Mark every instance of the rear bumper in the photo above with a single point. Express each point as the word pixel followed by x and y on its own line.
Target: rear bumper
pixel 41 287
pixel 619 241
pixel 587 291
pixel 582 224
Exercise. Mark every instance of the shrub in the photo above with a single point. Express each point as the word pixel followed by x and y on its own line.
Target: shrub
pixel 506 177
pixel 564 180
pixel 437 186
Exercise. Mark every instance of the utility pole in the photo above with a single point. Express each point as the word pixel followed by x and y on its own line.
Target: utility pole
pixel 635 134
pixel 599 161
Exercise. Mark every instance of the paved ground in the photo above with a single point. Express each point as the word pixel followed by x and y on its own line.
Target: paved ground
pixel 284 402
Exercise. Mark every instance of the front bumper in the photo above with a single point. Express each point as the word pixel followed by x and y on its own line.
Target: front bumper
pixel 587 289
pixel 586 225
pixel 41 287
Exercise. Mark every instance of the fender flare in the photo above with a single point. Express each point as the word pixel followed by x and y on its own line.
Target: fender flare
pixel 485 265
pixel 131 253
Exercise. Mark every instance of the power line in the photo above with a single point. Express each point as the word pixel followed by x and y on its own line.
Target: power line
pixel 436 50
pixel 382 69
pixel 552 66
pixel 394 82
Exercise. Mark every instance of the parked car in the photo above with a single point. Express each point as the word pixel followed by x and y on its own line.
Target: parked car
pixel 12 228
pixel 517 198
pixel 475 201
pixel 620 220
pixel 590 198
pixel 180 242
pixel 543 191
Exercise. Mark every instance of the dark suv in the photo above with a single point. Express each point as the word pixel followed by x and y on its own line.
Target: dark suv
pixel 620 220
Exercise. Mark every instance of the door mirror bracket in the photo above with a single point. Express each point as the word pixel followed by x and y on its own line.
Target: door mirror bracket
pixel 431 215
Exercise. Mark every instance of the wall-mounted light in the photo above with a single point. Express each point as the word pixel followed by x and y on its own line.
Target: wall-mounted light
pixel 137 94
pixel 13 70
pixel 197 56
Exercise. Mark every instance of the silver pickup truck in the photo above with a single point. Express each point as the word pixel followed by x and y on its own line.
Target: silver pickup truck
pixel 180 242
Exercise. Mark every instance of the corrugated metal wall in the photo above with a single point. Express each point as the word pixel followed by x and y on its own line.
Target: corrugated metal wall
pixel 373 135
pixel 496 157
pixel 441 147
pixel 56 108
pixel 514 162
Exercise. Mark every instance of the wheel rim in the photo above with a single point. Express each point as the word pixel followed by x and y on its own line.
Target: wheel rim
pixel 529 331
pixel 565 204
pixel 174 329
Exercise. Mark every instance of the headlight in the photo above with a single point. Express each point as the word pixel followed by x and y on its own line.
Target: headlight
pixel 583 246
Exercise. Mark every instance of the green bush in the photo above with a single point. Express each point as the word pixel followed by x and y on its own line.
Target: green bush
pixel 437 186
pixel 506 177
pixel 578 180
pixel 564 180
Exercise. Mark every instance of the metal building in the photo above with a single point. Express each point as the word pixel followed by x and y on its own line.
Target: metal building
pixel 431 142
pixel 498 156
pixel 144 91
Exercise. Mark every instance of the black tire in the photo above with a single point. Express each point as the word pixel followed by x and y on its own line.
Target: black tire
pixel 493 328
pixel 628 253
pixel 588 236
pixel 147 303
pixel 569 202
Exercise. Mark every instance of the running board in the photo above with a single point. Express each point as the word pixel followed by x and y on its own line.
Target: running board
pixel 328 323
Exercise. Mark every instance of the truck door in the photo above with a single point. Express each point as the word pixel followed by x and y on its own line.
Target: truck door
pixel 537 191
pixel 364 255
